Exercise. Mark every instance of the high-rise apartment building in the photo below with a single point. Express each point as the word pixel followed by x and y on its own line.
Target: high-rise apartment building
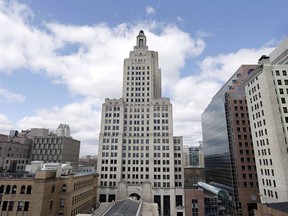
pixel 227 144
pixel 138 155
pixel 267 98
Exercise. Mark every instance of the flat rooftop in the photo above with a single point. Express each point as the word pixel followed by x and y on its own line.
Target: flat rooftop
pixel 281 206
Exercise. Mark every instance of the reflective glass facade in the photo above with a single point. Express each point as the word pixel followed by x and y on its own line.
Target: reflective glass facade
pixel 215 141
pixel 227 143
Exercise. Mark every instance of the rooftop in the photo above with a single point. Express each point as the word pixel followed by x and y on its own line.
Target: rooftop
pixel 281 206
pixel 127 207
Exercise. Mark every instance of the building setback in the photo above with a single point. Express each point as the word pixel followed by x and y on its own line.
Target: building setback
pixel 138 155
pixel 267 98
pixel 227 144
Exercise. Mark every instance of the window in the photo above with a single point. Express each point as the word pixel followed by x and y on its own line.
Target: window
pixel 20 206
pixel 11 205
pixel 1 189
pixel 194 207
pixel 7 191
pixel 29 188
pixel 4 206
pixel 22 191
pixel 64 188
pixel 62 202
pixel 179 200
pixel 14 188
pixel 26 206
pixel 51 204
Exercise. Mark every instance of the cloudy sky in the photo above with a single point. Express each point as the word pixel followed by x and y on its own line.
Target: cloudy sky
pixel 57 57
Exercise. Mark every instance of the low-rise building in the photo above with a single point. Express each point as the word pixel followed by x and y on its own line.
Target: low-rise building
pixel 48 189
pixel 14 153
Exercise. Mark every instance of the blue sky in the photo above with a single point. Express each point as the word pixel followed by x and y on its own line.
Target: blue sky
pixel 61 59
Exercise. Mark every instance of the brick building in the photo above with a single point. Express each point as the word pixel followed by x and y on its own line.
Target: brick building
pixel 47 192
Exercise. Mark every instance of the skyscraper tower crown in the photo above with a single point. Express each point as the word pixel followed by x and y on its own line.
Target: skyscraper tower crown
pixel 142 76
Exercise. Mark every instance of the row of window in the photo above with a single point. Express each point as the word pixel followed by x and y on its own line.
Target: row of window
pixel 137 100
pixel 79 197
pixel 13 189
pixel 48 140
pixel 9 205
pixel 269 182
pixel 163 184
pixel 267 172
pixel 137 77
pixel 270 193
pixel 137 155
pixel 264 152
pixel 47 146
pixel 84 208
pixel 137 68
pixel 81 184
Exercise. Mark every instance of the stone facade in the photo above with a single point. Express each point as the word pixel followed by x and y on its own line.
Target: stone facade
pixel 43 194
pixel 267 98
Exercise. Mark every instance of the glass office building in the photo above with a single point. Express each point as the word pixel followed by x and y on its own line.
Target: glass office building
pixel 227 143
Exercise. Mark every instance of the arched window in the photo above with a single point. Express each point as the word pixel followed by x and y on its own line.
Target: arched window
pixel 64 188
pixel 1 189
pixel 53 188
pixel 14 189
pixel 23 188
pixel 8 188
pixel 51 204
pixel 29 188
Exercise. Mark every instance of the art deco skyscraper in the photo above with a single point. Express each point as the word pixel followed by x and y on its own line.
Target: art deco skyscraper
pixel 138 155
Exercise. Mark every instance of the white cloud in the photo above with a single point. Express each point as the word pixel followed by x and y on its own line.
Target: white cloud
pixel 83 118
pixel 88 60
pixel 192 94
pixel 150 10
pixel 179 19
pixel 10 97
pixel 5 124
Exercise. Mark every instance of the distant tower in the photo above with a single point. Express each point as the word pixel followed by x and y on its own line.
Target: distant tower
pixel 63 130
pixel 138 155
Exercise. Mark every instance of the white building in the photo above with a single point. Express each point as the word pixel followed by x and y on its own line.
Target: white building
pixel 267 99
pixel 138 155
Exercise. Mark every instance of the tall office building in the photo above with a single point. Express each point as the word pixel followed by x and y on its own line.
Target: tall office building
pixel 55 147
pixel 267 97
pixel 138 155
pixel 227 144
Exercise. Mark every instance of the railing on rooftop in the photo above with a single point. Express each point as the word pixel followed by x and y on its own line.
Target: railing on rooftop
pixel 16 175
